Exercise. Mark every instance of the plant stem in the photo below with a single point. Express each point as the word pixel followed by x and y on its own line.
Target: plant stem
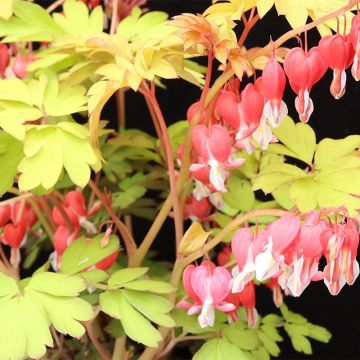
pixel 114 17
pixel 252 21
pixel 54 5
pixel 184 174
pixel 45 224
pixel 119 349
pixel 100 349
pixel 178 216
pixel 130 244
pixel 64 214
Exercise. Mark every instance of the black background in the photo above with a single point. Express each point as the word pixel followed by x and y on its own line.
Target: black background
pixel 331 118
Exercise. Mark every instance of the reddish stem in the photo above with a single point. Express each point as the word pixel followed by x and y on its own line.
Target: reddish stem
pixel 178 216
pixel 130 244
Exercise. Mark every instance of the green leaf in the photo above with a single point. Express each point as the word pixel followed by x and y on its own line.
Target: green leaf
pixel 6 9
pixel 152 306
pixel 319 333
pixel 269 344
pixel 48 282
pixel 298 138
pixel 301 344
pixel 135 325
pixel 76 20
pixel 49 148
pixel 11 153
pixel 260 354
pixel 62 99
pixel 281 195
pixel 123 276
pixel 219 349
pixel 30 23
pixel 189 323
pixel 85 252
pixel 48 298
pixel 329 150
pixel 271 319
pixel 237 334
pixel 240 195
pixel 304 192
pixel 159 287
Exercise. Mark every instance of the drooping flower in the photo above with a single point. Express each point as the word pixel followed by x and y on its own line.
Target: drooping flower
pixel 306 266
pixel 4 59
pixel 197 209
pixel 338 53
pixel 303 71
pixel 272 86
pixel 213 146
pixel 19 66
pixel 340 244
pixel 246 247
pixel 207 286
pixel 244 115
pixel 355 39
pixel 280 236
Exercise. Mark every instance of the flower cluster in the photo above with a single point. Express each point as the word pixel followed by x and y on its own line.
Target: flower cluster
pixel 69 220
pixel 286 254
pixel 16 220
pixel 239 120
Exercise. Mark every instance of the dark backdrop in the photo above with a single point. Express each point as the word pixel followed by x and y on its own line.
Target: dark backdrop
pixel 331 118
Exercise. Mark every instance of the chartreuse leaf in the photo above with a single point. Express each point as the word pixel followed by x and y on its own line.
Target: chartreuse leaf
pixel 299 140
pixel 30 23
pixel 189 323
pixel 298 329
pixel 193 239
pixel 219 349
pixel 330 150
pixel 48 298
pixel 6 9
pixel 154 307
pixel 76 21
pixel 85 252
pixel 11 153
pixel 123 276
pixel 158 287
pixel 49 148
pixel 239 195
pixel 332 181
pixel 238 334
pixel 136 326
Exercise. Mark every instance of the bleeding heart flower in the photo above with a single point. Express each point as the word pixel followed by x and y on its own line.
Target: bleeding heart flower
pixel 281 235
pixel 207 285
pixel 14 235
pixel 355 39
pixel 213 146
pixel 340 244
pixel 4 59
pixel 303 71
pixel 197 209
pixel 272 85
pixel 108 262
pixel 4 215
pixel 338 53
pixel 248 300
pixel 244 115
pixel 20 64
